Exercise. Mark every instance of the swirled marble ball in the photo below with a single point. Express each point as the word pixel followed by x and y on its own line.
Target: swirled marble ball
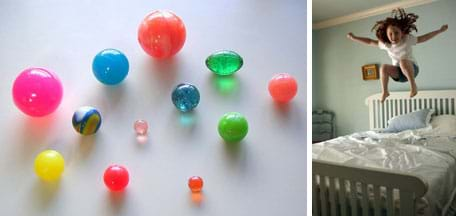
pixel 185 97
pixel 86 120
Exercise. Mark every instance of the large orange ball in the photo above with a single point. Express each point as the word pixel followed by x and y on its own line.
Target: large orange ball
pixel 162 34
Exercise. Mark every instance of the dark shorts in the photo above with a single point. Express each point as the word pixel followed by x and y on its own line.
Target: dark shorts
pixel 402 77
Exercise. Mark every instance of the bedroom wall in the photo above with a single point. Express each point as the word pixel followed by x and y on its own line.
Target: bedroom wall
pixel 337 83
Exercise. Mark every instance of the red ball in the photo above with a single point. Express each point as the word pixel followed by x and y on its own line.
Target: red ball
pixel 116 177
pixel 283 87
pixel 195 183
pixel 161 34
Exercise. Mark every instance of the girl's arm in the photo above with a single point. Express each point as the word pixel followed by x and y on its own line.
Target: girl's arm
pixel 362 40
pixel 430 35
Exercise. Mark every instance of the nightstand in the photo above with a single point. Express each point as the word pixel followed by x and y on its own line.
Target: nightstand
pixel 323 125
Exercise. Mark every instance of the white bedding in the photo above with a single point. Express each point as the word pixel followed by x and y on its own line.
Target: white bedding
pixel 420 152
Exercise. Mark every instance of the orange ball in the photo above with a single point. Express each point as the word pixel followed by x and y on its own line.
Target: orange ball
pixel 283 87
pixel 195 183
pixel 161 34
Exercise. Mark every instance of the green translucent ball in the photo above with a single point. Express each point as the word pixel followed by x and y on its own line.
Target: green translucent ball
pixel 233 127
pixel 225 62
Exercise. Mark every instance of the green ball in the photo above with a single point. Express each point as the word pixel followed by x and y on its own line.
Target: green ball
pixel 233 127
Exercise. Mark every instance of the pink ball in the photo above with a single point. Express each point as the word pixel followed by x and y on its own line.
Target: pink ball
pixel 37 92
pixel 283 87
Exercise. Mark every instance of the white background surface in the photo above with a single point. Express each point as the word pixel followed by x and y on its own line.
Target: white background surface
pixel 264 175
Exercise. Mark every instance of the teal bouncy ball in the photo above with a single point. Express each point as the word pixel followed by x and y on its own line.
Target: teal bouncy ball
pixel 185 97
pixel 233 127
pixel 110 66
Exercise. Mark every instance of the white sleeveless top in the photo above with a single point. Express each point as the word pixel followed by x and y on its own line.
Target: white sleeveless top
pixel 402 50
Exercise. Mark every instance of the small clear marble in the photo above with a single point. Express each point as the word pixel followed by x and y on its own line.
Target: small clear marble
pixel 141 127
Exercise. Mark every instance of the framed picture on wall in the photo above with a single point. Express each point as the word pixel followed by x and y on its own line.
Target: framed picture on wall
pixel 370 72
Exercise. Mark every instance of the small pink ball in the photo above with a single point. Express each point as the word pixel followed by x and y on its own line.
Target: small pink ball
pixel 141 127
pixel 283 87
pixel 37 92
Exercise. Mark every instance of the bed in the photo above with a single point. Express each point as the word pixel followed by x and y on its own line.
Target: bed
pixel 355 175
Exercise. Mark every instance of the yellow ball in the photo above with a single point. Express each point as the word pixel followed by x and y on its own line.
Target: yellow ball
pixel 49 165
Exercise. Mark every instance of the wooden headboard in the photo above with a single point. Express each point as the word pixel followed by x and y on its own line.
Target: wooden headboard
pixel 398 103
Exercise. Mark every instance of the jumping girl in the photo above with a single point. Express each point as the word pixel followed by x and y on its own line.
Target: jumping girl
pixel 393 34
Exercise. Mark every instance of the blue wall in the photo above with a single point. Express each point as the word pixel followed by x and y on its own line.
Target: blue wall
pixel 337 83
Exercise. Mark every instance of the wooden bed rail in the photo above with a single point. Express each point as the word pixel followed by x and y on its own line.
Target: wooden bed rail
pixel 329 200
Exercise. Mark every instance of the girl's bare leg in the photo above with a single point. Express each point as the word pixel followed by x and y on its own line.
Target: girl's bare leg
pixel 407 70
pixel 386 71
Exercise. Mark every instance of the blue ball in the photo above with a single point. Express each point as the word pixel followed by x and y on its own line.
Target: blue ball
pixel 110 66
pixel 185 97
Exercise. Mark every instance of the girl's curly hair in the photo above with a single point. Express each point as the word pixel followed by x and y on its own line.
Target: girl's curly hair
pixel 401 19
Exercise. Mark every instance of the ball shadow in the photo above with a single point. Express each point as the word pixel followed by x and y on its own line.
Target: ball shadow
pixel 283 109
pixel 142 140
pixel 116 201
pixel 43 193
pixel 111 97
pixel 164 70
pixel 234 150
pixel 197 198
pixel 227 86
pixel 235 155
pixel 86 145
pixel 289 116
pixel 34 133
pixel 186 122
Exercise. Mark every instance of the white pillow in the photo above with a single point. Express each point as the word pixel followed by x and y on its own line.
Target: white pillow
pixel 410 121
pixel 444 125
